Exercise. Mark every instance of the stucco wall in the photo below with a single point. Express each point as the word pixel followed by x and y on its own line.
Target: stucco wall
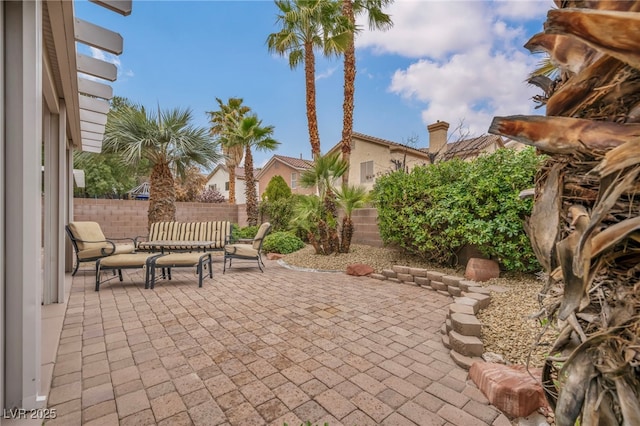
pixel 279 168
pixel 361 152
pixel 220 178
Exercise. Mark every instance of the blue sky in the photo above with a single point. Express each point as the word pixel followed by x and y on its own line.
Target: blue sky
pixel 457 61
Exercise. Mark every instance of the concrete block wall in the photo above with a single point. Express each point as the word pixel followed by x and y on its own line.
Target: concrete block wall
pixel 128 218
pixel 365 222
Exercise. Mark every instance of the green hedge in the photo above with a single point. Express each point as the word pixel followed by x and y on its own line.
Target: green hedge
pixel 435 210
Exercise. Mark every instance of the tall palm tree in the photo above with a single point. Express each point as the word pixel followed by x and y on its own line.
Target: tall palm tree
pixel 168 141
pixel 250 133
pixel 377 20
pixel 308 25
pixel 221 121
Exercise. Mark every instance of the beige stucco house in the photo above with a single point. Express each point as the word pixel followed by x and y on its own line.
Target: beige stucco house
pixel 47 110
pixel 372 157
pixel 218 179
pixel 290 168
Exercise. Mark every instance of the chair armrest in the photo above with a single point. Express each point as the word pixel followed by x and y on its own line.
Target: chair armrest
pixel 112 249
pixel 139 239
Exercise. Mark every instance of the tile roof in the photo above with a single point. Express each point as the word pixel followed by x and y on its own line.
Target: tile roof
pixel 296 163
pixel 468 147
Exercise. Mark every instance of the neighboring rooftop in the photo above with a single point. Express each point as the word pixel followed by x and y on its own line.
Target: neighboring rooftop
pixel 467 148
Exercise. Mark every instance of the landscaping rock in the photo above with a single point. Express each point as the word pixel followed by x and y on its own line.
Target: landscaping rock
pixel 509 388
pixel 274 256
pixel 359 269
pixel 482 269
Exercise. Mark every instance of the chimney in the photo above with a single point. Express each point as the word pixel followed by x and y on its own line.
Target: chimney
pixel 438 137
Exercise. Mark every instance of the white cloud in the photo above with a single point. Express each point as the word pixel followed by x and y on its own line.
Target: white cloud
pixel 112 59
pixel 326 74
pixel 470 65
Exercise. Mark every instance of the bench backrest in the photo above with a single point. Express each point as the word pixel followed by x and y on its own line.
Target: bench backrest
pixel 217 231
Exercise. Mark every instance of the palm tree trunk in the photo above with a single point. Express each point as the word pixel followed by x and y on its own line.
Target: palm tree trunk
pixel 346 234
pixel 250 188
pixel 232 185
pixel 162 194
pixel 312 119
pixel 349 90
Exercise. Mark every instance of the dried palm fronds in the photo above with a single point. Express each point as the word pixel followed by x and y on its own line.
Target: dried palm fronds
pixel 585 223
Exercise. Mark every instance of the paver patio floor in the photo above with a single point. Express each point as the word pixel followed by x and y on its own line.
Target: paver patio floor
pixel 251 349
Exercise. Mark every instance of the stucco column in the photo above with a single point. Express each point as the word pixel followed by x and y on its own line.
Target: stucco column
pixel 23 270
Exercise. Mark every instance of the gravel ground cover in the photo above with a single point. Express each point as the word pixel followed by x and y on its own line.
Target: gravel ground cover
pixel 508 329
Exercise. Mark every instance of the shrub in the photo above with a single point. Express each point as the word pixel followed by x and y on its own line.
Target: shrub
pixel 210 195
pixel 276 189
pixel 278 212
pixel 244 232
pixel 282 242
pixel 435 210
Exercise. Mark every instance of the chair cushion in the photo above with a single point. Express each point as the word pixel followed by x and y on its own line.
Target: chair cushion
pixel 130 260
pixel 87 231
pixel 108 248
pixel 262 231
pixel 245 250
pixel 180 259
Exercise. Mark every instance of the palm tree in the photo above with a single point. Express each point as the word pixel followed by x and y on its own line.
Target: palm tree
pixel 377 20
pixel 227 116
pixel 308 25
pixel 249 133
pixel 349 197
pixel 168 140
pixel 325 172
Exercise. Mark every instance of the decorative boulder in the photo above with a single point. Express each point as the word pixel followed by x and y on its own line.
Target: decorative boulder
pixel 359 269
pixel 274 256
pixel 482 269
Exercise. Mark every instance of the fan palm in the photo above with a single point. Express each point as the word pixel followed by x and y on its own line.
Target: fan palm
pixel 349 198
pixel 325 172
pixel 377 20
pixel 221 122
pixel 308 25
pixel 168 140
pixel 250 133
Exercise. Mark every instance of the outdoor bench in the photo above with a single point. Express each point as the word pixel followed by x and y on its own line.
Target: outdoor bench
pixel 214 234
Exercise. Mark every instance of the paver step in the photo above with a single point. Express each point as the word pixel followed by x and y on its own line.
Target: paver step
pixel 466 345
pixel 467 325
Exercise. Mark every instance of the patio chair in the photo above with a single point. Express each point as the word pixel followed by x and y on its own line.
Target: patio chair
pixel 250 251
pixel 90 244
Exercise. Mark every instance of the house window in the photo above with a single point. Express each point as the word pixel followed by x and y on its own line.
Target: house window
pixel 226 186
pixel 214 186
pixel 366 172
pixel 294 180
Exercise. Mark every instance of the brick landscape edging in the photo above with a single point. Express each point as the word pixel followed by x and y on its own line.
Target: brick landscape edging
pixel 461 331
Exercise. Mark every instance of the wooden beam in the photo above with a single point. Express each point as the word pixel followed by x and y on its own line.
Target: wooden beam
pixel 93 104
pixel 96 67
pixel 123 7
pixel 98 37
pixel 94 88
pixel 91 127
pixel 93 117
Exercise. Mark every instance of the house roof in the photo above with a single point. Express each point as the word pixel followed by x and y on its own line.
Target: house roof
pixel 469 147
pixel 239 172
pixel 295 163
pixel 393 146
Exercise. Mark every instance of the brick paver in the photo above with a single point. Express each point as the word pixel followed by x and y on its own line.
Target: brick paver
pixel 252 348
